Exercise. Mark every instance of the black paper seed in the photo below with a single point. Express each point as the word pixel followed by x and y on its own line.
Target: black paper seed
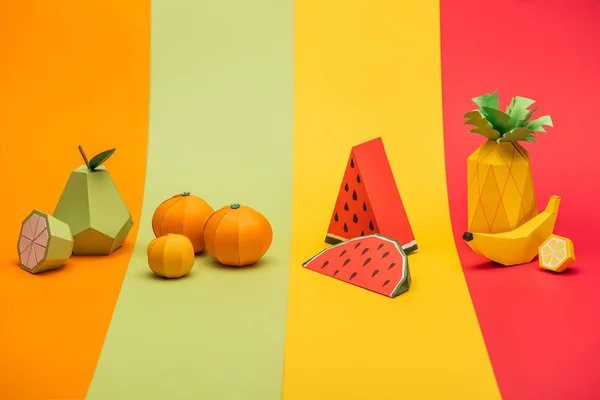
pixel 368 260
pixel 386 282
pixel 392 265
pixel 355 219
pixel 364 251
pixel 351 163
pixel 358 178
pixel 346 262
pixel 380 246
pixel 353 275
pixel 356 245
pixel 346 187
pixel 335 217
pixel 371 226
pixel 343 252
pixel 375 273
pixel 364 206
pixel 362 233
pixel 354 195
pixel 336 272
pixel 345 228
pixel 387 253
pixel 325 264
pixel 346 206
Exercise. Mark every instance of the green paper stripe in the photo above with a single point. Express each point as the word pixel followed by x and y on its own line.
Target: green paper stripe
pixel 221 125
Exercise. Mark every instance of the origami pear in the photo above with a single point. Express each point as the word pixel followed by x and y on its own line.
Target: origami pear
pixel 93 208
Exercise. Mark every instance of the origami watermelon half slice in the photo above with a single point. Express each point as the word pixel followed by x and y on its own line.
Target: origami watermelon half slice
pixel 372 262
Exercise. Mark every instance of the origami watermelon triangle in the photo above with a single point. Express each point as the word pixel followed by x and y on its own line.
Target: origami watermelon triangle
pixel 368 201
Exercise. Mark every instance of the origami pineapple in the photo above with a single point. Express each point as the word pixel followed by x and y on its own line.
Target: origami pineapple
pixel 501 192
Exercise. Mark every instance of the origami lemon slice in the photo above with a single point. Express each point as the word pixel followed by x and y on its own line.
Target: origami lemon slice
pixel 556 253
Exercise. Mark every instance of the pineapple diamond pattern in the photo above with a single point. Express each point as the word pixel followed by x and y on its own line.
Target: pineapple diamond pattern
pixel 501 192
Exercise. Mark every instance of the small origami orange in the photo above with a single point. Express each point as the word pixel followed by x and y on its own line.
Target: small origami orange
pixel 171 256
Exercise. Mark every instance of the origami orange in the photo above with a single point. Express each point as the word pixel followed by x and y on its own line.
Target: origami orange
pixel 183 214
pixel 237 235
pixel 171 256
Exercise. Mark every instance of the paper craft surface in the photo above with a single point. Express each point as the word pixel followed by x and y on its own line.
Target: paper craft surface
pixel 45 243
pixel 519 246
pixel 368 201
pixel 94 210
pixel 374 262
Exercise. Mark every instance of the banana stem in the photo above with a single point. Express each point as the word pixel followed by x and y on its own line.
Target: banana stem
pixel 553 204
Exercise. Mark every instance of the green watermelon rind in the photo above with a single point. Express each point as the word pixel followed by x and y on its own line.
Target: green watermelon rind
pixel 408 248
pixel 404 283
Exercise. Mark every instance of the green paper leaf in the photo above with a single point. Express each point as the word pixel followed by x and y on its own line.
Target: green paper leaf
pixel 489 133
pixel 477 119
pixel 518 109
pixel 487 100
pixel 527 117
pixel 475 114
pixel 482 125
pixel 536 125
pixel 499 120
pixel 100 158
pixel 516 135
pixel 530 139
pixel 510 106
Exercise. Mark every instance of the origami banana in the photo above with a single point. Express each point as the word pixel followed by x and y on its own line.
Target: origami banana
pixel 520 245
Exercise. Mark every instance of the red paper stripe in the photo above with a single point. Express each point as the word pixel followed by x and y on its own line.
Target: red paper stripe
pixel 542 330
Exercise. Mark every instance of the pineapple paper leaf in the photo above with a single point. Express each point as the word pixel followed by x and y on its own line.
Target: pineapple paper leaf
pixel 527 117
pixel 536 125
pixel 518 109
pixel 473 115
pixel 530 139
pixel 487 100
pixel 475 118
pixel 100 158
pixel 499 120
pixel 516 135
pixel 488 132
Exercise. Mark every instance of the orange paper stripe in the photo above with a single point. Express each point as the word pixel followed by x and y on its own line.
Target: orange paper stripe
pixel 71 73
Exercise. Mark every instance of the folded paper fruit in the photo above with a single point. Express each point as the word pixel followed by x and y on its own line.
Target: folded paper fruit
pixel 45 243
pixel 183 214
pixel 368 201
pixel 373 262
pixel 556 254
pixel 237 235
pixel 501 195
pixel 520 245
pixel 171 256
pixel 93 208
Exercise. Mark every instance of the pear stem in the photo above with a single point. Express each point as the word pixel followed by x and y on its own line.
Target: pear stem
pixel 87 163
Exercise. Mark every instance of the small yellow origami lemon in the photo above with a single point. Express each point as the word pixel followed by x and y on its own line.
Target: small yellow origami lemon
pixel 556 253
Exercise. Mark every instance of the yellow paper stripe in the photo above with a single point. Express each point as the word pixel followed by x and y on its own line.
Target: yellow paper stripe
pixel 368 69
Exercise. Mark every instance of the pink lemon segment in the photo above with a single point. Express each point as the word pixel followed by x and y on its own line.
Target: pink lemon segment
pixel 45 243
